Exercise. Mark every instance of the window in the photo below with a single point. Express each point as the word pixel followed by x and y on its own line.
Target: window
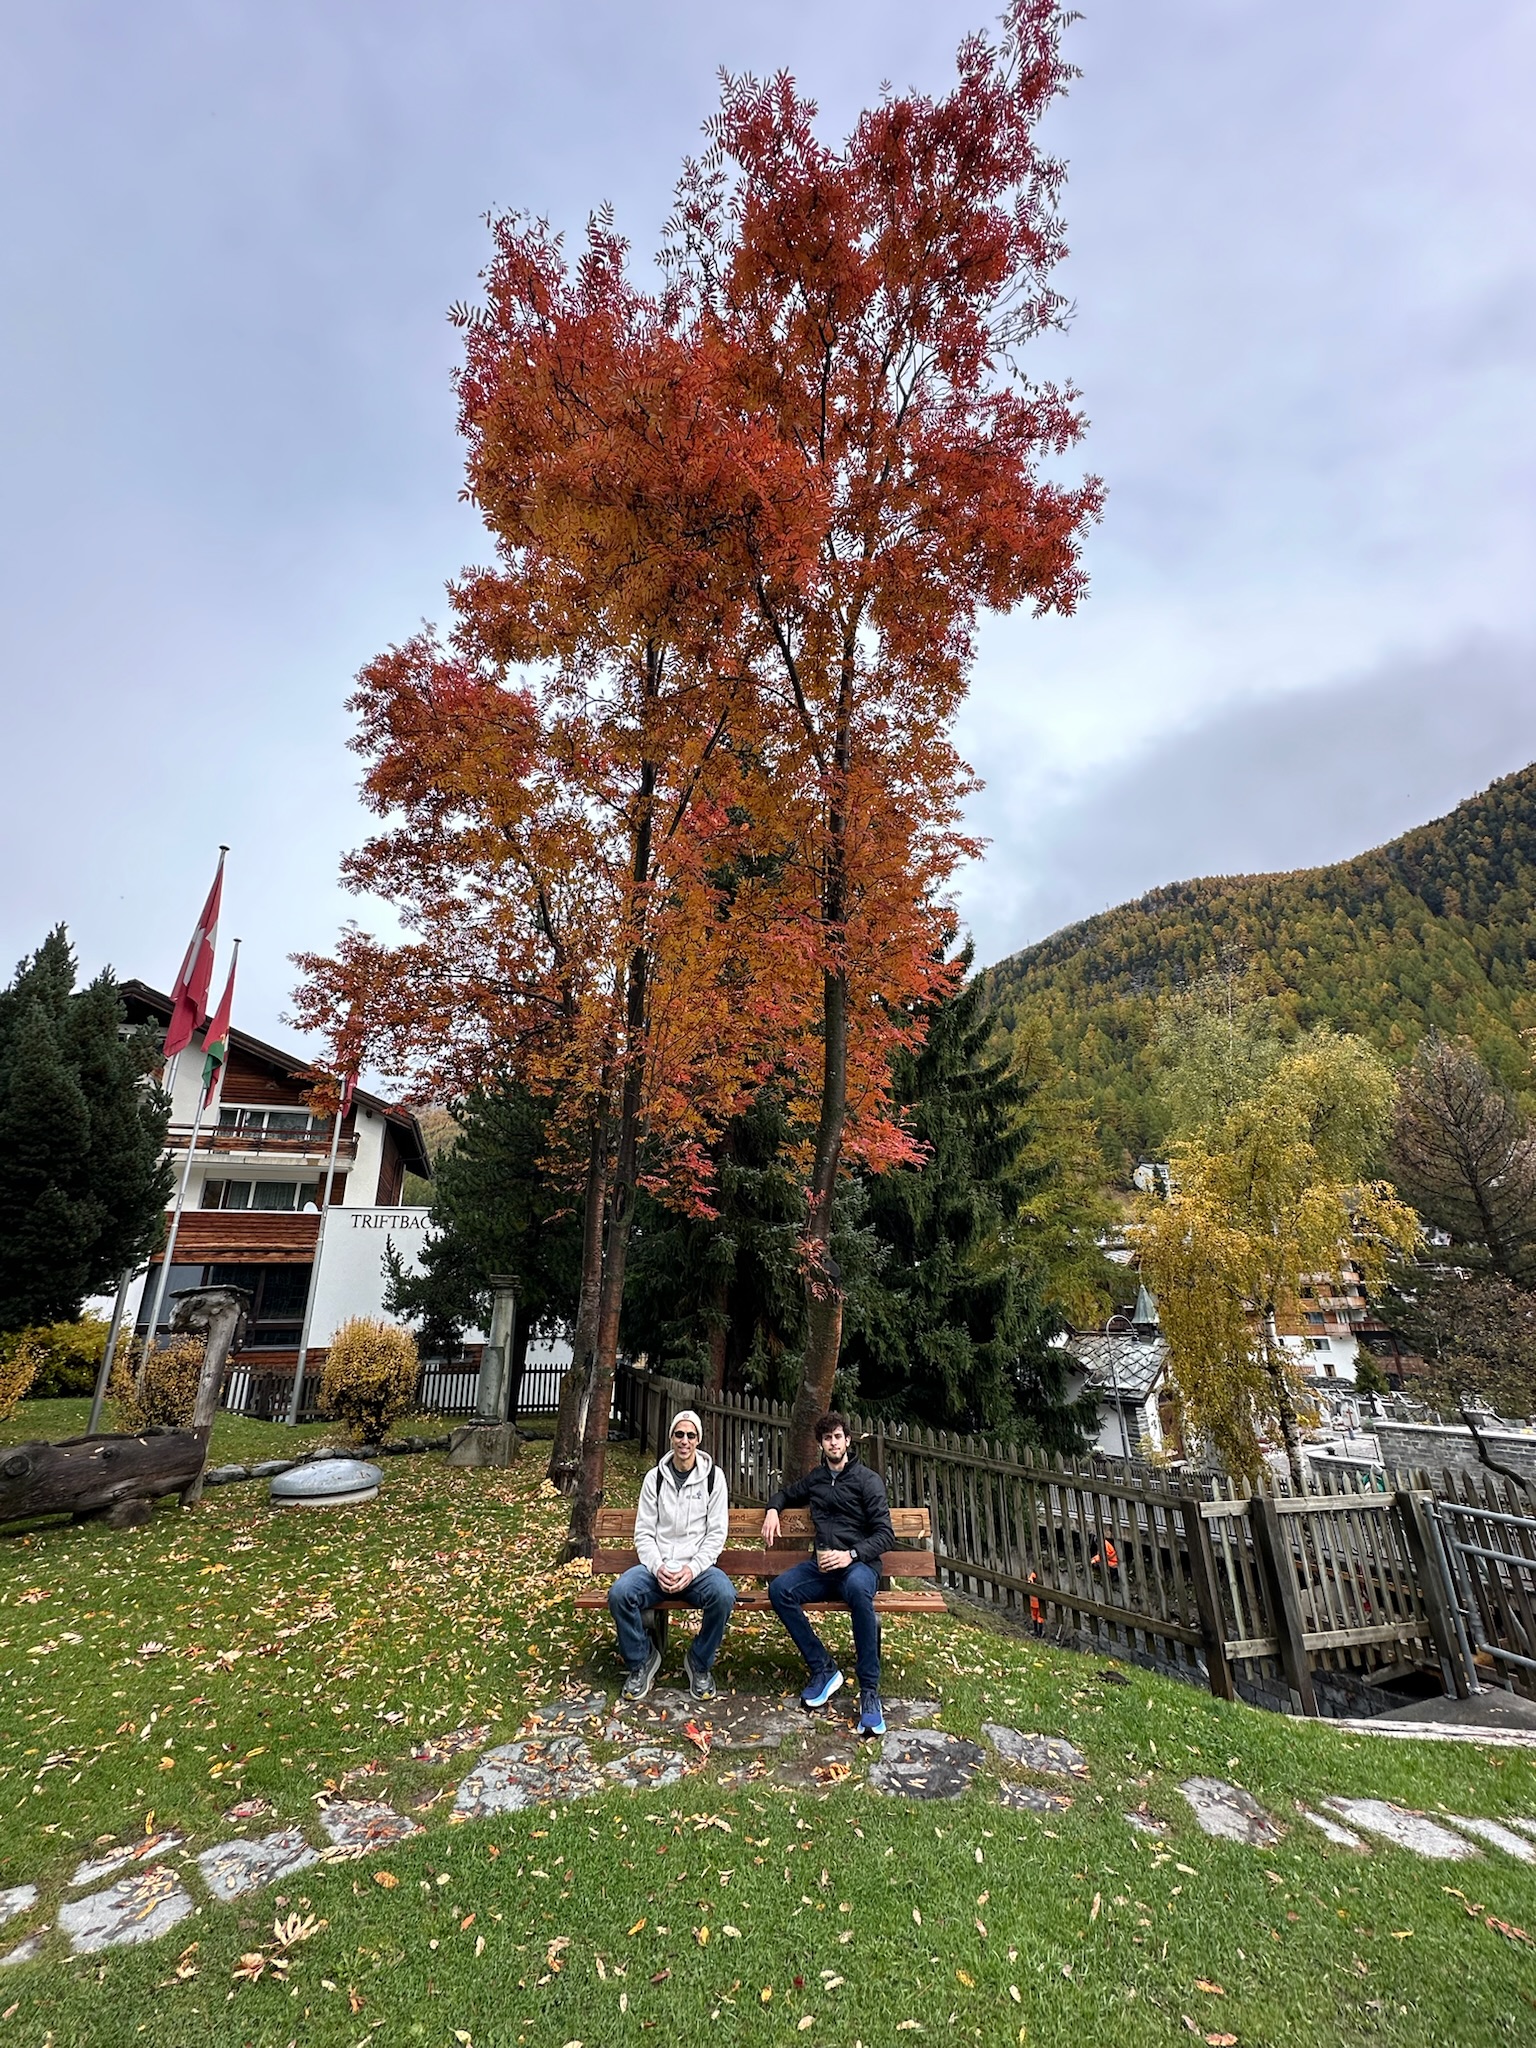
pixel 1318 1344
pixel 280 1122
pixel 1315 1321
pixel 278 1296
pixel 285 1195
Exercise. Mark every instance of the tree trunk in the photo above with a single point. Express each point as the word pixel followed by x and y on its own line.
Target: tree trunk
pixel 823 1282
pixel 1285 1404
pixel 719 1337
pixel 517 1364
pixel 1484 1455
pixel 594 1440
pixel 575 1388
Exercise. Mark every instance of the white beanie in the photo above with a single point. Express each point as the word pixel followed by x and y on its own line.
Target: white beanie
pixel 688 1415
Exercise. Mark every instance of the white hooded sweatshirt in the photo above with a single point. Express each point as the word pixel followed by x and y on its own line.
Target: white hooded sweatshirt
pixel 682 1519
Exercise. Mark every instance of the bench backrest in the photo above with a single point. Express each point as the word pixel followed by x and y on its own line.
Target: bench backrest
pixel 744 1556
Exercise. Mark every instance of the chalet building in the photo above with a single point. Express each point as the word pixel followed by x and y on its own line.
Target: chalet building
pixel 252 1215
pixel 1126 1366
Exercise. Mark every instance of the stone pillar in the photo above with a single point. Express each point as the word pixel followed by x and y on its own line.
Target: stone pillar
pixel 490 1439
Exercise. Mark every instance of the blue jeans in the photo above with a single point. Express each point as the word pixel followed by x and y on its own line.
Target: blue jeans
pixel 855 1586
pixel 638 1589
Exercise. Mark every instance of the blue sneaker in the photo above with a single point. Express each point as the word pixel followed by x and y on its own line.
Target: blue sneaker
pixel 820 1690
pixel 871 1714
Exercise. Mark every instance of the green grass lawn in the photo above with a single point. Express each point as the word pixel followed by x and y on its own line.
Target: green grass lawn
pixel 298 1647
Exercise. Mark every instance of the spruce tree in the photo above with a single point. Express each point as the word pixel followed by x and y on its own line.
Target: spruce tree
pixel 960 1331
pixel 496 1209
pixel 82 1133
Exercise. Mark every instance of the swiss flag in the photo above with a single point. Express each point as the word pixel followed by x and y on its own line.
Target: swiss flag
pixel 189 998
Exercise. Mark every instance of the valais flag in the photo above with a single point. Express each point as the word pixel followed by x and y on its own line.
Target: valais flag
pixel 189 998
pixel 216 1044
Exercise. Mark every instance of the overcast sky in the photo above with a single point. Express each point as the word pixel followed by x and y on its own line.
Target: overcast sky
pixel 1304 266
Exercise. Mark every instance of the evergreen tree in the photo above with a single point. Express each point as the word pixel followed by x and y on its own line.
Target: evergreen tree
pixel 960 1331
pixel 496 1210
pixel 83 1137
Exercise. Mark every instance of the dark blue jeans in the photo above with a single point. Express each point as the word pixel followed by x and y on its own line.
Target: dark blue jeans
pixel 855 1587
pixel 638 1589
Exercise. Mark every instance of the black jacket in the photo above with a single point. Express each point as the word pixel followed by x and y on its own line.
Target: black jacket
pixel 849 1510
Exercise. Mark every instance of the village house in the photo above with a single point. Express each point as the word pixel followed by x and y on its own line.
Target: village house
pixel 1125 1364
pixel 252 1215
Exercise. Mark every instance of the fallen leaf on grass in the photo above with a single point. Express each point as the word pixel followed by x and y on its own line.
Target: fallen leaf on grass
pixel 386 1878
pixel 1221 2041
pixel 808 2021
pixel 964 1977
pixel 250 1966
pixel 701 1936
pixel 661 1976
pixel 1205 1984
pixel 555 1951
pixel 1509 1932
pixel 908 2027
pixel 637 1927
pixel 1095 1909
pixel 353 2000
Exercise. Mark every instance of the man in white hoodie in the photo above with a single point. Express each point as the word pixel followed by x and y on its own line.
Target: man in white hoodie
pixel 681 1525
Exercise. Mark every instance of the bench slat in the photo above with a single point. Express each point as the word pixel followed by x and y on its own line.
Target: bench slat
pixel 615 1524
pixel 753 1602
pixel 768 1564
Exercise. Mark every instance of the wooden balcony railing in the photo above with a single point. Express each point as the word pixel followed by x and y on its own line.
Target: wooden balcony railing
pixel 251 1144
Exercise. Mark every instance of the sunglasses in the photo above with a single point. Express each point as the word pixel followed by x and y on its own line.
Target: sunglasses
pixel 685 1436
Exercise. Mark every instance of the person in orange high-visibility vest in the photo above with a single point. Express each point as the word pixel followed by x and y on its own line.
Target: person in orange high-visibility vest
pixel 1036 1611
pixel 1109 1557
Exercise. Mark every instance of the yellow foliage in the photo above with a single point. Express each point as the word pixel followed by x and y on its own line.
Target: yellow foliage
pixel 369 1381
pixel 19 1367
pixel 1261 1203
pixel 156 1388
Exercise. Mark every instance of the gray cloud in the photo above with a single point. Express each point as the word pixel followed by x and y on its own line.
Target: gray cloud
pixel 1285 782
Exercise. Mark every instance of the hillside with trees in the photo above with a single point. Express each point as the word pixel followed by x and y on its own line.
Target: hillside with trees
pixel 1434 932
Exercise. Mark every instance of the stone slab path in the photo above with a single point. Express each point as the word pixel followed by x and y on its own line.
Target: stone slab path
pixel 582 1744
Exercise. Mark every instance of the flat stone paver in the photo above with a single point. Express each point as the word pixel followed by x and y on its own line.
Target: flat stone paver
pixel 95 1868
pixel 231 1869
pixel 1526 1827
pixel 520 1774
pixel 1494 1832
pixel 1149 1824
pixel 359 1826
pixel 1033 1798
pixel 136 1909
pixel 21 1898
pixel 648 1765
pixel 1050 1755
pixel 1334 1831
pixel 1229 1814
pixel 26 1951
pixel 922 1763
pixel 1407 1830
pixel 437 1749
pixel 567 1715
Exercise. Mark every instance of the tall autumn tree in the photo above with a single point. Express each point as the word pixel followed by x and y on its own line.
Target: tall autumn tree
pixel 567 784
pixel 870 304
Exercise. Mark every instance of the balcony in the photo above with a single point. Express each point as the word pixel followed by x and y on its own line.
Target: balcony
pixel 246 1237
pixel 301 1147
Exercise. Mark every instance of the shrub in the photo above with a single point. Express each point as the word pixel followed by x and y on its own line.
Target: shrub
pixel 370 1374
pixel 18 1368
pixel 67 1356
pixel 157 1389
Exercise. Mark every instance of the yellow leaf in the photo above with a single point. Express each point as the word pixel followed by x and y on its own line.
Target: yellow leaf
pixel 965 1978
pixel 1205 1984
pixel 386 1878
pixel 765 1996
pixel 637 1926
pixel 917 1921
pixel 808 2021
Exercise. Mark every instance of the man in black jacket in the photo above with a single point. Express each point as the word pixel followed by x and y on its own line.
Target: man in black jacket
pixel 852 1520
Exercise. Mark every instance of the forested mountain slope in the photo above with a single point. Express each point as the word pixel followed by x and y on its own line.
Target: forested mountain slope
pixel 1436 930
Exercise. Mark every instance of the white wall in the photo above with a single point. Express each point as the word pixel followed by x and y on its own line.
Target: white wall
pixel 350 1274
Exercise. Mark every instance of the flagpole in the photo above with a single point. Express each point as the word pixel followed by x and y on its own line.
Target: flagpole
pixel 204 1097
pixel 163 1278
pixel 314 1276
pixel 104 1376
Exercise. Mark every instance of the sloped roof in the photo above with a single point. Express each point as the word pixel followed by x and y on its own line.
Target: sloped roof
pixel 1122 1367
pixel 138 995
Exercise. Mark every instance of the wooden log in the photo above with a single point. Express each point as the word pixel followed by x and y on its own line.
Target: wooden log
pixel 90 1475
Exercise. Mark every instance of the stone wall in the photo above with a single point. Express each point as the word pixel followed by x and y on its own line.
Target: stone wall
pixel 1443 1447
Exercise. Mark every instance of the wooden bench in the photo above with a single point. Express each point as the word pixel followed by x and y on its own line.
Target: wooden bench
pixel 744 1557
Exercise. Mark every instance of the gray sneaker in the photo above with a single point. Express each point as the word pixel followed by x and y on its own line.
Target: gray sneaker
pixel 701 1684
pixel 639 1683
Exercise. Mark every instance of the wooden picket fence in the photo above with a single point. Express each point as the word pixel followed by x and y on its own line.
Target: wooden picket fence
pixel 1254 1592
